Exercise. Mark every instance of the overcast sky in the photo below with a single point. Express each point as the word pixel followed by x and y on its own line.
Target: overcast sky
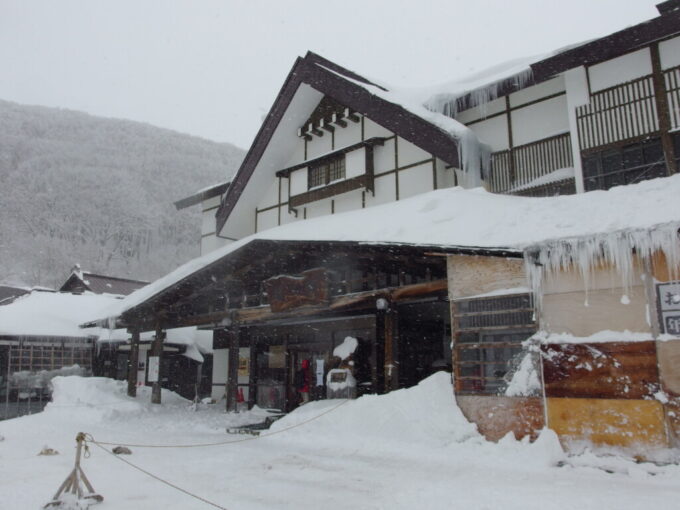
pixel 213 68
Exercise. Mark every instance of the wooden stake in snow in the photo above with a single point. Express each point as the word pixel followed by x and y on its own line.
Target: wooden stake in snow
pixel 72 484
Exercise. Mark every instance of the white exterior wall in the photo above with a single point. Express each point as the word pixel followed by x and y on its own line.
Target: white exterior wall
pixel 669 52
pixel 401 169
pixel 493 132
pixel 540 120
pixel 619 70
pixel 219 373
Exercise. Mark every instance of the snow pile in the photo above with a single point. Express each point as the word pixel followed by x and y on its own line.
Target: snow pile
pixel 605 336
pixel 525 381
pixel 424 414
pixel 346 348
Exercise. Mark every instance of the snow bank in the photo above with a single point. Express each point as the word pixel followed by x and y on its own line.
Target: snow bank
pixel 424 414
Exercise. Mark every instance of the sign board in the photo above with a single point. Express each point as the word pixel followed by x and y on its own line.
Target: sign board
pixel 153 368
pixel 668 299
pixel 286 292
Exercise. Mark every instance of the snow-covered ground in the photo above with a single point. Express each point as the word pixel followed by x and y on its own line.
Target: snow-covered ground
pixel 408 449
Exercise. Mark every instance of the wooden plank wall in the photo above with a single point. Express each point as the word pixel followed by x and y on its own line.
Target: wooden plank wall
pixel 495 416
pixel 668 353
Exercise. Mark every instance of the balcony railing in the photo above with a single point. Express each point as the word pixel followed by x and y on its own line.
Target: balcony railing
pixel 524 164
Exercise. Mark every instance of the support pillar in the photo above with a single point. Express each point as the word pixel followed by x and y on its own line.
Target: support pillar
pixel 133 364
pixel 252 373
pixel 156 352
pixel 232 369
pixel 391 350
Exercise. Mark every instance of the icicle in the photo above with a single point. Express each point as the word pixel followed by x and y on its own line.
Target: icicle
pixel 616 249
pixel 451 104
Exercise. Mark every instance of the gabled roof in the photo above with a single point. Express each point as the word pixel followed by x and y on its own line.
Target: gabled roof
pixel 357 93
pixel 80 281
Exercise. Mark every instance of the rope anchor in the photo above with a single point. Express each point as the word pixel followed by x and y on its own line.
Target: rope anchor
pixel 72 484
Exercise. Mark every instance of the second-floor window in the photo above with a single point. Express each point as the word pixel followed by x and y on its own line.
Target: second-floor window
pixel 326 172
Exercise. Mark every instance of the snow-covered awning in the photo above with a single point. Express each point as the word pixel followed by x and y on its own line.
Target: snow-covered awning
pixel 454 218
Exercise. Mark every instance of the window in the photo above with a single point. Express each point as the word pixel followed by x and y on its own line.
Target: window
pixel 488 343
pixel 624 165
pixel 326 172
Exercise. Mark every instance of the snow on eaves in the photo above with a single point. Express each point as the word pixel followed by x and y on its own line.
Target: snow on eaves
pixel 456 217
pixel 52 314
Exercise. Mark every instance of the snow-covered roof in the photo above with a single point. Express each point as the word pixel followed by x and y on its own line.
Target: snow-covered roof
pixel 455 217
pixel 52 314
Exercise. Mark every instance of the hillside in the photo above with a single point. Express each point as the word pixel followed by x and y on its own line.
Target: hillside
pixel 79 188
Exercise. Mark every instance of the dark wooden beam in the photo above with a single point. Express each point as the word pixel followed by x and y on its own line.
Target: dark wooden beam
pixel 232 369
pixel 157 351
pixel 133 362
pixel 662 109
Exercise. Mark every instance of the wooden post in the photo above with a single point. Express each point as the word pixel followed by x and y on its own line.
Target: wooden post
pixel 157 352
pixel 252 374
pixel 391 345
pixel 232 369
pixel 133 363
pixel 662 109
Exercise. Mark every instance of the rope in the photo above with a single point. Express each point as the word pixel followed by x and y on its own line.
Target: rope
pixel 88 438
pixel 155 477
pixel 220 443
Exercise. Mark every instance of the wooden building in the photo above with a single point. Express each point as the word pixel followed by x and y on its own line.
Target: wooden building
pixel 284 276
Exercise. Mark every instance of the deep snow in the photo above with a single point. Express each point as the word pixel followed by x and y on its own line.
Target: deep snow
pixel 409 449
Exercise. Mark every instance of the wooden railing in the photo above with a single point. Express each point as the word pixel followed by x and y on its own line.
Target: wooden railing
pixel 618 113
pixel 526 163
pixel 672 83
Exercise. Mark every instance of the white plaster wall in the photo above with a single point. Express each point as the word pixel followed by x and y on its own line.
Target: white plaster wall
pixel 208 222
pixel 482 111
pixel 284 189
pixel 385 191
pixel 413 181
pixel 540 120
pixel 409 153
pixel 372 129
pixel 316 209
pixel 539 91
pixel 289 217
pixel 669 51
pixel 344 137
pixel 349 201
pixel 445 177
pixel 298 181
pixel 493 132
pixel 298 155
pixel 383 157
pixel 319 145
pixel 143 355
pixel 270 196
pixel 211 203
pixel 267 219
pixel 619 70
pixel 219 374
pixel 355 163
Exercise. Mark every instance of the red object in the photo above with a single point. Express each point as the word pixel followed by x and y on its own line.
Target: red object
pixel 308 376
pixel 239 398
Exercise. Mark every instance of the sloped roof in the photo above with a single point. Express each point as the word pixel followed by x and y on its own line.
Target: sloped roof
pixel 8 293
pixel 199 196
pixel 101 284
pixel 52 314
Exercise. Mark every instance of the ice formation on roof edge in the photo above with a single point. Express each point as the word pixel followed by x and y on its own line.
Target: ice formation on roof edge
pixel 450 104
pixel 619 249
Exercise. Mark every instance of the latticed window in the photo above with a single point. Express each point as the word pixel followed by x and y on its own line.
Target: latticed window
pixel 624 165
pixel 488 344
pixel 326 172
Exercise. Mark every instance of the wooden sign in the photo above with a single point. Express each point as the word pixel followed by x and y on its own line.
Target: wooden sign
pixel 286 292
pixel 668 295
